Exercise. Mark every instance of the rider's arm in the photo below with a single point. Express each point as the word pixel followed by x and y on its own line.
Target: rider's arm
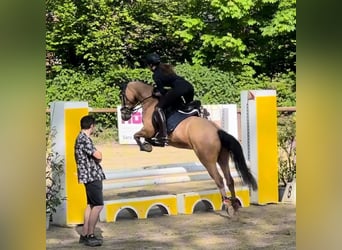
pixel 156 92
pixel 159 86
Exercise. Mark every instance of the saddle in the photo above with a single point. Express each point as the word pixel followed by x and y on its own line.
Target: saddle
pixel 196 106
pixel 176 115
pixel 193 105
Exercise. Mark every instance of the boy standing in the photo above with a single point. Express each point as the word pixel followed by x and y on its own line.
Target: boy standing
pixel 90 173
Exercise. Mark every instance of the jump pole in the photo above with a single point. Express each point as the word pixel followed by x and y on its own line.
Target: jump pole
pixel 65 123
pixel 259 141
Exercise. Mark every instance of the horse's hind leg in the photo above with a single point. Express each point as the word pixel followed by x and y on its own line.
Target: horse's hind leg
pixel 215 175
pixel 209 161
pixel 223 161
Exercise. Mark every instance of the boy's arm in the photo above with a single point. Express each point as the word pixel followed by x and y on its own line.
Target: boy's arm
pixel 97 155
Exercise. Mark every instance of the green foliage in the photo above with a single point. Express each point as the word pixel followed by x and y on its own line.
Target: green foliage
pixel 125 75
pixel 287 148
pixel 53 174
pixel 284 84
pixel 211 86
pixel 85 34
pixel 232 9
pixel 71 85
pixel 241 36
pixel 283 20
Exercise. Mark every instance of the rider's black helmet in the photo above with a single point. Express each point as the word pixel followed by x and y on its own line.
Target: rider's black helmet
pixel 153 59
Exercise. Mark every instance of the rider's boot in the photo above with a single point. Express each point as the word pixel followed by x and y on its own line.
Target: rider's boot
pixel 162 133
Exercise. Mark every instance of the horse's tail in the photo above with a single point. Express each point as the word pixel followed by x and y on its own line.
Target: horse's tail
pixel 234 146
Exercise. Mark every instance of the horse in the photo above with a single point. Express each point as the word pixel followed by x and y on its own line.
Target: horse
pixel 211 144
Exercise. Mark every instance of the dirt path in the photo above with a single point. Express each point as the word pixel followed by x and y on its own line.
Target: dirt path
pixel 256 227
pixel 271 226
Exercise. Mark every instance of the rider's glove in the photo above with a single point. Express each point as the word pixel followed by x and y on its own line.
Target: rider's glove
pixel 156 92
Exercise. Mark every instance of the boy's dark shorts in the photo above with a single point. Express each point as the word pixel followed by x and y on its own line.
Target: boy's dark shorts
pixel 94 192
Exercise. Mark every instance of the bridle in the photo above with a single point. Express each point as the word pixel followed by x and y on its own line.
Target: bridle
pixel 126 109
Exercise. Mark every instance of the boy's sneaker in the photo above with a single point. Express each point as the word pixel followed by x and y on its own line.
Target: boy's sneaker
pixel 92 241
pixel 82 239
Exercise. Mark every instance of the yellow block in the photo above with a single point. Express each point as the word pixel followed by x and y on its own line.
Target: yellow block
pixel 188 201
pixel 141 206
pixel 267 153
pixel 75 192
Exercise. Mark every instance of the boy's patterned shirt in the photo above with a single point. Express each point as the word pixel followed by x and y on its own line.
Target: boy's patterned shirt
pixel 88 168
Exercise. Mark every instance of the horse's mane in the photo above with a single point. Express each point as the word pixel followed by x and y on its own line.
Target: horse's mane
pixel 140 82
pixel 140 89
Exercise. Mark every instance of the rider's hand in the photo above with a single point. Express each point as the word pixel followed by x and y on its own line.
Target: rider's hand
pixel 156 92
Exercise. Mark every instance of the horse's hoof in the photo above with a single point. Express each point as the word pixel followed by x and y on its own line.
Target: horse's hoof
pixel 146 147
pixel 230 211
pixel 231 207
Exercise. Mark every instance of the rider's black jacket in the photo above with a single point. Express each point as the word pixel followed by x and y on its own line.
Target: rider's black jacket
pixel 173 81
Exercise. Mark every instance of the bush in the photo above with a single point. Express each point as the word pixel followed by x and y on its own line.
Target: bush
pixel 70 85
pixel 53 173
pixel 125 75
pixel 212 86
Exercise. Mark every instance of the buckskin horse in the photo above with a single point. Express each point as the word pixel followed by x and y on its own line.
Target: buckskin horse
pixel 210 143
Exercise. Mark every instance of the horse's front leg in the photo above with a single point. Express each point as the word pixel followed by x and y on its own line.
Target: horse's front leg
pixel 144 146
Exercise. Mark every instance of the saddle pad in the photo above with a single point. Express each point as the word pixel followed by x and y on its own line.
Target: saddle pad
pixel 175 118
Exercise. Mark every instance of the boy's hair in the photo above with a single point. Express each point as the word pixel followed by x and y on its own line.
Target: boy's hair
pixel 87 121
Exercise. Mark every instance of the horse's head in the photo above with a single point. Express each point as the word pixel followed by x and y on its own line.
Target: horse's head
pixel 127 106
pixel 133 95
pixel 126 113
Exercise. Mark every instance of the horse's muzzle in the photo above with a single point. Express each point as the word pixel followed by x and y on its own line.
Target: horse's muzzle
pixel 126 113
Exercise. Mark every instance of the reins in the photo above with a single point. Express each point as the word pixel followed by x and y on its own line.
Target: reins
pixel 135 107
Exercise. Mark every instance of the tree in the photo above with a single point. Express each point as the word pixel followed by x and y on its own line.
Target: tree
pixel 244 44
pixel 242 35
pixel 247 37
pixel 86 34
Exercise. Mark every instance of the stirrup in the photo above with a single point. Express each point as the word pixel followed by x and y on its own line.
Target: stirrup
pixel 161 138
pixel 156 138
pixel 160 142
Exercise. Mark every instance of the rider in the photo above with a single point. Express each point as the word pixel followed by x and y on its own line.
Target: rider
pixel 165 76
